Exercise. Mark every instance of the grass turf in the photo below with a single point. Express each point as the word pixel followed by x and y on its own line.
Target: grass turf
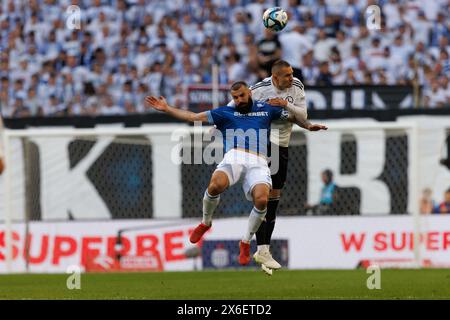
pixel 236 284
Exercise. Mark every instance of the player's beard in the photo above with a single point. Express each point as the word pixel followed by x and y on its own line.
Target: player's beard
pixel 245 107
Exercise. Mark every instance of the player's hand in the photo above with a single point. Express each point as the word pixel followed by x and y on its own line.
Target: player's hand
pixel 2 165
pixel 157 103
pixel 277 102
pixel 317 127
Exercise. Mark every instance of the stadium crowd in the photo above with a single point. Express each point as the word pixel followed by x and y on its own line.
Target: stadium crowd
pixel 127 49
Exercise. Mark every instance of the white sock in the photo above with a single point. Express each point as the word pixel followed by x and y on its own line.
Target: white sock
pixel 209 206
pixel 263 247
pixel 254 221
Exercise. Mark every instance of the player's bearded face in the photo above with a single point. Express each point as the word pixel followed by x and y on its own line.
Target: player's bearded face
pixel 242 100
pixel 244 107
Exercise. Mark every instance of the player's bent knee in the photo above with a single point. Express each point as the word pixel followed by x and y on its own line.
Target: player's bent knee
pixel 260 201
pixel 218 183
pixel 260 196
pixel 215 188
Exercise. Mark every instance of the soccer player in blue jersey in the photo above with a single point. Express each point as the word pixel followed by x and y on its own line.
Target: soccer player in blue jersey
pixel 280 89
pixel 246 133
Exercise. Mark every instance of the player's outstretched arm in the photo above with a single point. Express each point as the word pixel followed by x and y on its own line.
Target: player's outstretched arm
pixel 162 105
pixel 316 127
pixel 296 116
pixel 306 124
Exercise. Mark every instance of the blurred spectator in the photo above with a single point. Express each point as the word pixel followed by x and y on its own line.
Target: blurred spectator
pixel 335 63
pixel 374 54
pixel 109 108
pixel 321 11
pixel 269 50
pixel 391 13
pixel 19 109
pixel 349 77
pixel 343 44
pixel 439 28
pixel 294 45
pixel 426 202
pixel 444 82
pixel 325 78
pixel 435 97
pixel 422 28
pixel 444 206
pixel 256 10
pixel 322 48
pixel 309 69
pixel 354 61
pixel 236 71
pixel 5 103
pixel 400 49
pixel 32 101
pixel 328 196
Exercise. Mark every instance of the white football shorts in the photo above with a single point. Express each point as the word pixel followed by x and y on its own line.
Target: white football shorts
pixel 255 169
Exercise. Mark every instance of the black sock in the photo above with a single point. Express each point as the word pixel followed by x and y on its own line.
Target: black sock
pixel 261 233
pixel 270 219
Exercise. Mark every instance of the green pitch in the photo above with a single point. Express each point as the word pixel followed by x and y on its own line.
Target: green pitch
pixel 221 285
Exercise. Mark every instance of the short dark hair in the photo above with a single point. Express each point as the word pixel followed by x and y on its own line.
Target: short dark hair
pixel 277 65
pixel 328 173
pixel 238 84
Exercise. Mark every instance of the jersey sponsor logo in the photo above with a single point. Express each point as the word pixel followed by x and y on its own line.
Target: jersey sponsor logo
pixel 252 114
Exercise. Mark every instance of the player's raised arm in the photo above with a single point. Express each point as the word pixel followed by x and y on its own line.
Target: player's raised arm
pixel 297 117
pixel 162 105
pixel 306 124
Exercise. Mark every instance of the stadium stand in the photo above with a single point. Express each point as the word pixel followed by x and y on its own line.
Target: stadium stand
pixel 125 50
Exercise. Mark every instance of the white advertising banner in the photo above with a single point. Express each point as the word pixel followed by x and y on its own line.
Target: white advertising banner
pixel 313 242
pixel 60 185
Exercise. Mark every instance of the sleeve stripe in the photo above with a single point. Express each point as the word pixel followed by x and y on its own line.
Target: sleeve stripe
pixel 298 85
pixel 259 85
pixel 210 118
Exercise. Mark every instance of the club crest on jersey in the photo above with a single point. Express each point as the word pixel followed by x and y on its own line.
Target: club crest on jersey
pixel 290 99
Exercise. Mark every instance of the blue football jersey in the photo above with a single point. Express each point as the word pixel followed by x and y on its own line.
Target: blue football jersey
pixel 249 131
